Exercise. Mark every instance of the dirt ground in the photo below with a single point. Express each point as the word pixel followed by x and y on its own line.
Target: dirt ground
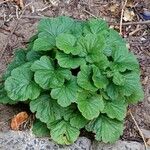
pixel 14 33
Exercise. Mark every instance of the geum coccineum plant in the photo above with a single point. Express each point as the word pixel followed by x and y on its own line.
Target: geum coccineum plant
pixel 74 75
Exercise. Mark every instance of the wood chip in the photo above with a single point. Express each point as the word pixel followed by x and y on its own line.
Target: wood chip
pixel 148 142
pixel 113 8
pixel 145 80
pixel 128 15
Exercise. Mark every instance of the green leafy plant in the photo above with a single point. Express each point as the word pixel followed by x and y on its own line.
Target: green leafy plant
pixel 74 75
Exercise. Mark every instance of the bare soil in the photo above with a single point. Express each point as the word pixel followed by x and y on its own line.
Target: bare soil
pixel 139 43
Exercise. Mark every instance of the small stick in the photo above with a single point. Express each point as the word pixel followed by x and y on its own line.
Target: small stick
pixel 140 132
pixel 42 9
pixel 121 18
pixel 135 31
pixel 90 13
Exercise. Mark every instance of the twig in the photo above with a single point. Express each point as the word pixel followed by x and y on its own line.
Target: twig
pixel 136 30
pixel 121 18
pixel 90 13
pixel 42 9
pixel 140 132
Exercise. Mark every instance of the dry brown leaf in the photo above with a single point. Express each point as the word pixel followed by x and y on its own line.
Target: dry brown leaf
pixel 18 120
pixel 128 15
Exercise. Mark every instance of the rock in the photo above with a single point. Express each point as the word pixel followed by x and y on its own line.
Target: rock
pixel 146 133
pixel 119 145
pixel 19 140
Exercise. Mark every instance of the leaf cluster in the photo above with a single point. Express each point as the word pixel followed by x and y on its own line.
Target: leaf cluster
pixel 74 75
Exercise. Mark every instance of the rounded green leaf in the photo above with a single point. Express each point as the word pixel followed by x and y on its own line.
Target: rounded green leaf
pixel 100 81
pixel 113 91
pixel 132 83
pixel 116 109
pixel 84 78
pixel 47 76
pixel 18 60
pixel 118 78
pixel 77 30
pixel 40 129
pixel 113 41
pixel 63 133
pixel 92 47
pixel 33 55
pixel 46 109
pixel 20 86
pixel 44 43
pixel 69 61
pixel 75 118
pixel 66 42
pixel 106 129
pixel 137 95
pixel 78 121
pixel 66 94
pixel 123 60
pixel 56 26
pixel 70 111
pixel 49 29
pixel 90 105
pixel 95 26
pixel 4 99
